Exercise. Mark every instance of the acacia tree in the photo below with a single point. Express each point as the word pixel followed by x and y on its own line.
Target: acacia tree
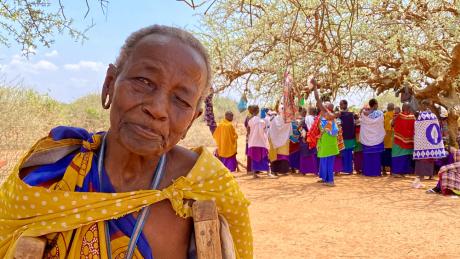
pixel 385 45
pixel 30 23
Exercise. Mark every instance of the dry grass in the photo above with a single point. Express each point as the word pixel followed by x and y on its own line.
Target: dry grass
pixel 27 116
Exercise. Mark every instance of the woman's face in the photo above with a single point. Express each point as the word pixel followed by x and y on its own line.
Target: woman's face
pixel 156 95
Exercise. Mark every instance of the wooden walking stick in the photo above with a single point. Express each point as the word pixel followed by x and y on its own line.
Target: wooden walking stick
pixel 207 230
pixel 30 248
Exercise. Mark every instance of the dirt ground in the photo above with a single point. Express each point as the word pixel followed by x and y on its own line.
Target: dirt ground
pixel 362 217
pixel 295 217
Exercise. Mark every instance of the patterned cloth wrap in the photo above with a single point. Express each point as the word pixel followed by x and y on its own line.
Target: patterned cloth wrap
pixel 428 143
pixel 329 126
pixel 209 113
pixel 295 133
pixel 340 141
pixel 289 106
pixel 59 200
pixel 404 125
pixel 449 176
pixel 314 133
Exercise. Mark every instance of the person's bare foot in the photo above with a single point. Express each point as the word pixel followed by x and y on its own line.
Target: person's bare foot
pixel 320 181
pixel 329 184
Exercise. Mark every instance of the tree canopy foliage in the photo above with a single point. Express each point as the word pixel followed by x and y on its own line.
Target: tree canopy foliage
pixel 390 44
pixel 33 23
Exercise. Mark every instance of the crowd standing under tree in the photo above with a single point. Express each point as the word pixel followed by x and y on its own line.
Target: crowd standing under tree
pixel 319 141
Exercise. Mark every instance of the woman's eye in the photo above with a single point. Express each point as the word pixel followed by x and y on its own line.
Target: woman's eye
pixel 143 80
pixel 183 102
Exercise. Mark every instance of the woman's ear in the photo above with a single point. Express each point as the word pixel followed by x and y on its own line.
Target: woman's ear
pixel 108 87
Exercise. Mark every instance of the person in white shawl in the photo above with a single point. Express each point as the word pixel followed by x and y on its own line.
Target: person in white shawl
pixel 310 118
pixel 279 133
pixel 371 136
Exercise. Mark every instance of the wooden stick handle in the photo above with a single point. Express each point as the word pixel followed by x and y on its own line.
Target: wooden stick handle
pixel 30 248
pixel 207 230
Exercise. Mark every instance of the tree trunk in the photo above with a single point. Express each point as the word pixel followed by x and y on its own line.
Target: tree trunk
pixel 453 128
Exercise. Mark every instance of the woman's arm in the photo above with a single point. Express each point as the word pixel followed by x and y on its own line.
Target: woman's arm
pixel 328 114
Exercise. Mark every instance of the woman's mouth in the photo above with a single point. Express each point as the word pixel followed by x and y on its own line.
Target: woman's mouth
pixel 146 132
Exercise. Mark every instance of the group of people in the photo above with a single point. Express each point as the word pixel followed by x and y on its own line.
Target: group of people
pixel 325 141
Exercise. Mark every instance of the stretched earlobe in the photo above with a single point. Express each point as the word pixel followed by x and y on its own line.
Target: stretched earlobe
pixel 107 88
pixel 106 101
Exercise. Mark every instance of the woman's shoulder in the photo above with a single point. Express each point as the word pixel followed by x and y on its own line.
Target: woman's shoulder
pixel 61 142
pixel 195 163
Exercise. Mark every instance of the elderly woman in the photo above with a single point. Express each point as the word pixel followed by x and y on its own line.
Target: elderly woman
pixel 125 193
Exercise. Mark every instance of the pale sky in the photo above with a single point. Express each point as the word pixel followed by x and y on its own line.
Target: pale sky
pixel 69 70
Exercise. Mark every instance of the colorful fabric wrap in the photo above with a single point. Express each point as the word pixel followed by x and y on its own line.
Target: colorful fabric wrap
pixel 328 143
pixel 372 131
pixel 295 133
pixel 388 117
pixel 329 126
pixel 209 113
pixel 398 151
pixel 349 143
pixel 428 137
pixel 358 145
pixel 449 178
pixel 60 202
pixel 404 130
pixel 340 141
pixel 314 134
pixel 289 105
pixel 226 138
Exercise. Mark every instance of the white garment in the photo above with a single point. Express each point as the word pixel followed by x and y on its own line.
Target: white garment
pixel 309 120
pixel 257 134
pixel 279 131
pixel 372 130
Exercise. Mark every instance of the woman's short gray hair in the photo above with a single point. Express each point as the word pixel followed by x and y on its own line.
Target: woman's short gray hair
pixel 185 37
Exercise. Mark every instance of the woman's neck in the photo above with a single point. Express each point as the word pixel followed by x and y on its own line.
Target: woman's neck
pixel 128 171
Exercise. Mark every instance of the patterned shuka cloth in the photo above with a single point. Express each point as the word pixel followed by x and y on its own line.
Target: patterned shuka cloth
pixel 449 176
pixel 428 143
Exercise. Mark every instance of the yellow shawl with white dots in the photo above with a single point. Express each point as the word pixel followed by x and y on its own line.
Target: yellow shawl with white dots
pixel 27 211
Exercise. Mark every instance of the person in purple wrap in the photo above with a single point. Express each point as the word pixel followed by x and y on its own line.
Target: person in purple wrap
pixel 309 163
pixel 258 144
